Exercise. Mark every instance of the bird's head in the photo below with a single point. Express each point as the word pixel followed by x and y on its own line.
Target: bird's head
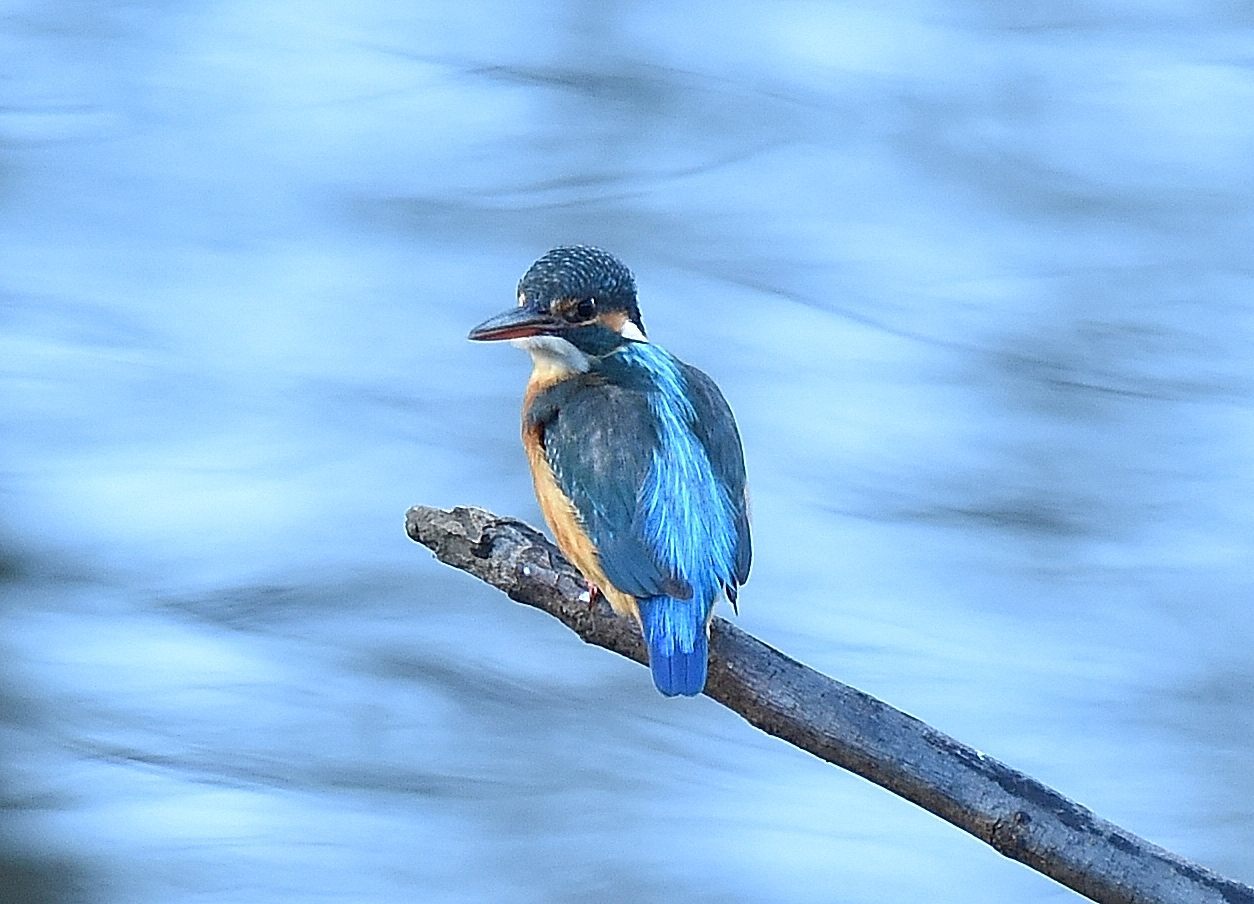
pixel 577 294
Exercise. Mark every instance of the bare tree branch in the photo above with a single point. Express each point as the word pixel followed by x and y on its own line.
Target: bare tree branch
pixel 1017 815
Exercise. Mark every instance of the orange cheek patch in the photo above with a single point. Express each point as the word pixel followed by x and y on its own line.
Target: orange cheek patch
pixel 614 320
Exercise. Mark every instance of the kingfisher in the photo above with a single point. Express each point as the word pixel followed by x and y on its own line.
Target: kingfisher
pixel 635 457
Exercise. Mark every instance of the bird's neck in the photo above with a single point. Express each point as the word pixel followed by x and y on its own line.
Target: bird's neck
pixel 642 362
pixel 639 363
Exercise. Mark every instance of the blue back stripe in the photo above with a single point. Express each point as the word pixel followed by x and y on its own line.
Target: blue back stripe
pixel 688 518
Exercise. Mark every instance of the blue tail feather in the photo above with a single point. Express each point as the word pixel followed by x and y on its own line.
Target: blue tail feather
pixel 674 632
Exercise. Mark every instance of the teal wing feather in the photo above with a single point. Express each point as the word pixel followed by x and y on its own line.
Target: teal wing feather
pixel 715 428
pixel 599 439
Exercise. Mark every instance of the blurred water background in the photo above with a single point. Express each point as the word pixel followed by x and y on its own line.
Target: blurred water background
pixel 976 278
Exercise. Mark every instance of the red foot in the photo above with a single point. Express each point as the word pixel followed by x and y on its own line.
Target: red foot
pixel 593 592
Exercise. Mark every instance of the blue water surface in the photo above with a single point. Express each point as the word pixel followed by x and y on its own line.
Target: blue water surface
pixel 976 279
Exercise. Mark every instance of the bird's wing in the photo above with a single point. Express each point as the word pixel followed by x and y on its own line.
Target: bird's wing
pixel 599 439
pixel 715 428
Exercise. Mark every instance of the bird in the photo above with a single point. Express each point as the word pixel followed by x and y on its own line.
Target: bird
pixel 636 459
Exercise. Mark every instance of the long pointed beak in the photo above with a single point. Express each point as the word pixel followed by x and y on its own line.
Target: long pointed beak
pixel 515 324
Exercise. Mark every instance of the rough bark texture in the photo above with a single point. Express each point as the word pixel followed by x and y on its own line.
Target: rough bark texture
pixel 1008 810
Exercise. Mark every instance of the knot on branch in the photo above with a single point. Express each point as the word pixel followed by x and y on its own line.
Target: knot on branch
pixel 1010 835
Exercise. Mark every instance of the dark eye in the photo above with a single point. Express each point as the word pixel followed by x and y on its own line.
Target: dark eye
pixel 586 309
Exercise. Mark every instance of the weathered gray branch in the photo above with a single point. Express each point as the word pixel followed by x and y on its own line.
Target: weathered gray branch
pixel 1014 813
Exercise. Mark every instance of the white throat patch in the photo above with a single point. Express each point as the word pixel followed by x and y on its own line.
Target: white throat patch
pixel 553 357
